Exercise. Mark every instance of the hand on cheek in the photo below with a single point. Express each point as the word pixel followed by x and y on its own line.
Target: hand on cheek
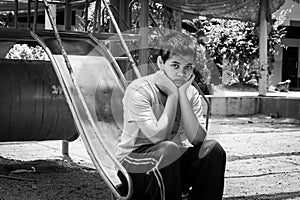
pixel 165 84
pixel 187 84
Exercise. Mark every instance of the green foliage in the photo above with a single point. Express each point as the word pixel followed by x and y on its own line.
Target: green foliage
pixel 162 15
pixel 162 22
pixel 25 52
pixel 234 45
pixel 230 39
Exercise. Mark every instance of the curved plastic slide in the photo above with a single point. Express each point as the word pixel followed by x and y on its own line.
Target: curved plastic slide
pixel 93 87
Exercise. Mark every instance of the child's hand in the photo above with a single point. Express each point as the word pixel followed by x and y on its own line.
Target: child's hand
pixel 165 84
pixel 187 84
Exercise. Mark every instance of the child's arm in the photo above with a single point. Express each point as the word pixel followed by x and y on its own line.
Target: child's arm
pixel 157 130
pixel 193 129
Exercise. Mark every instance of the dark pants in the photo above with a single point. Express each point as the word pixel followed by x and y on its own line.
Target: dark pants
pixel 197 171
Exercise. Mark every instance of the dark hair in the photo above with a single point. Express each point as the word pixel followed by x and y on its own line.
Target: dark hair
pixel 181 44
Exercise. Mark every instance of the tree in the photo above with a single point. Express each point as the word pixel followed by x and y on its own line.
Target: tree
pixel 234 46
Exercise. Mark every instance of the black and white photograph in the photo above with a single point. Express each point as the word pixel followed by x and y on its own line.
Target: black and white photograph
pixel 149 100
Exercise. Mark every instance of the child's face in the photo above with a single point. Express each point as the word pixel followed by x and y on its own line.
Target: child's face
pixel 178 68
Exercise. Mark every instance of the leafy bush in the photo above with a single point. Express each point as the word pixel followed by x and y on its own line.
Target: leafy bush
pixel 25 52
pixel 234 45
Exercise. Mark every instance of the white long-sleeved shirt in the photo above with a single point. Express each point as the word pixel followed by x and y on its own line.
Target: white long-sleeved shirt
pixel 143 102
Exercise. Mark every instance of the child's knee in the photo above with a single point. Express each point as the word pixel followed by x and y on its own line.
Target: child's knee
pixel 170 153
pixel 218 151
pixel 169 148
pixel 213 149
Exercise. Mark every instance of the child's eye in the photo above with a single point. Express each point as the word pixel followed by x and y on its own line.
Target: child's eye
pixel 189 67
pixel 175 66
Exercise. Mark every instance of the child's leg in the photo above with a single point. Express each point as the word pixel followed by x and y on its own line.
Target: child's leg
pixel 155 171
pixel 203 168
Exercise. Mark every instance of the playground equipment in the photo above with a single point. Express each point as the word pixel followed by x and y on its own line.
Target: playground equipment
pixel 92 90
pixel 32 105
pixel 82 80
pixel 92 84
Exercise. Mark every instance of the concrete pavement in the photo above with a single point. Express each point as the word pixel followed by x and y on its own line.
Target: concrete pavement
pixel 263 155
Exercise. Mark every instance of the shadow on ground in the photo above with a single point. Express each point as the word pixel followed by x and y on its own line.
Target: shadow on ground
pixel 49 179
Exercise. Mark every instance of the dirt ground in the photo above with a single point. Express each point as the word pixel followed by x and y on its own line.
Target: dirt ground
pixel 49 179
pixel 262 163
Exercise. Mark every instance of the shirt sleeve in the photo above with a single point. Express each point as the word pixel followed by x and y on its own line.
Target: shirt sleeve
pixel 139 112
pixel 196 102
pixel 137 105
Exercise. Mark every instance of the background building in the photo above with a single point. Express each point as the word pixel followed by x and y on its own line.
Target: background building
pixel 286 64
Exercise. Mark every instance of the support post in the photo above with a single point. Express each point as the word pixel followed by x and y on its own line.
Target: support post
pixel 263 48
pixel 29 13
pixel 36 7
pixel 86 15
pixel 144 31
pixel 99 17
pixel 124 45
pixel 96 12
pixel 124 15
pixel 65 148
pixel 68 15
pixel 115 3
pixel 67 22
pixel 49 26
pixel 16 13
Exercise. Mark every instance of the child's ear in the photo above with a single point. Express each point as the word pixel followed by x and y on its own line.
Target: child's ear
pixel 159 62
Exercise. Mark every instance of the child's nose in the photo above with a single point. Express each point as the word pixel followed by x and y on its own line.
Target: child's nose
pixel 181 72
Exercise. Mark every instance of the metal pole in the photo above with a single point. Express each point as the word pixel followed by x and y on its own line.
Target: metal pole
pixel 263 48
pixel 86 15
pixel 68 16
pixel 95 16
pixel 102 19
pixel 65 144
pixel 29 13
pixel 65 148
pixel 87 114
pixel 124 45
pixel 16 14
pixel 36 7
pixel 124 15
pixel 144 31
pixel 99 18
